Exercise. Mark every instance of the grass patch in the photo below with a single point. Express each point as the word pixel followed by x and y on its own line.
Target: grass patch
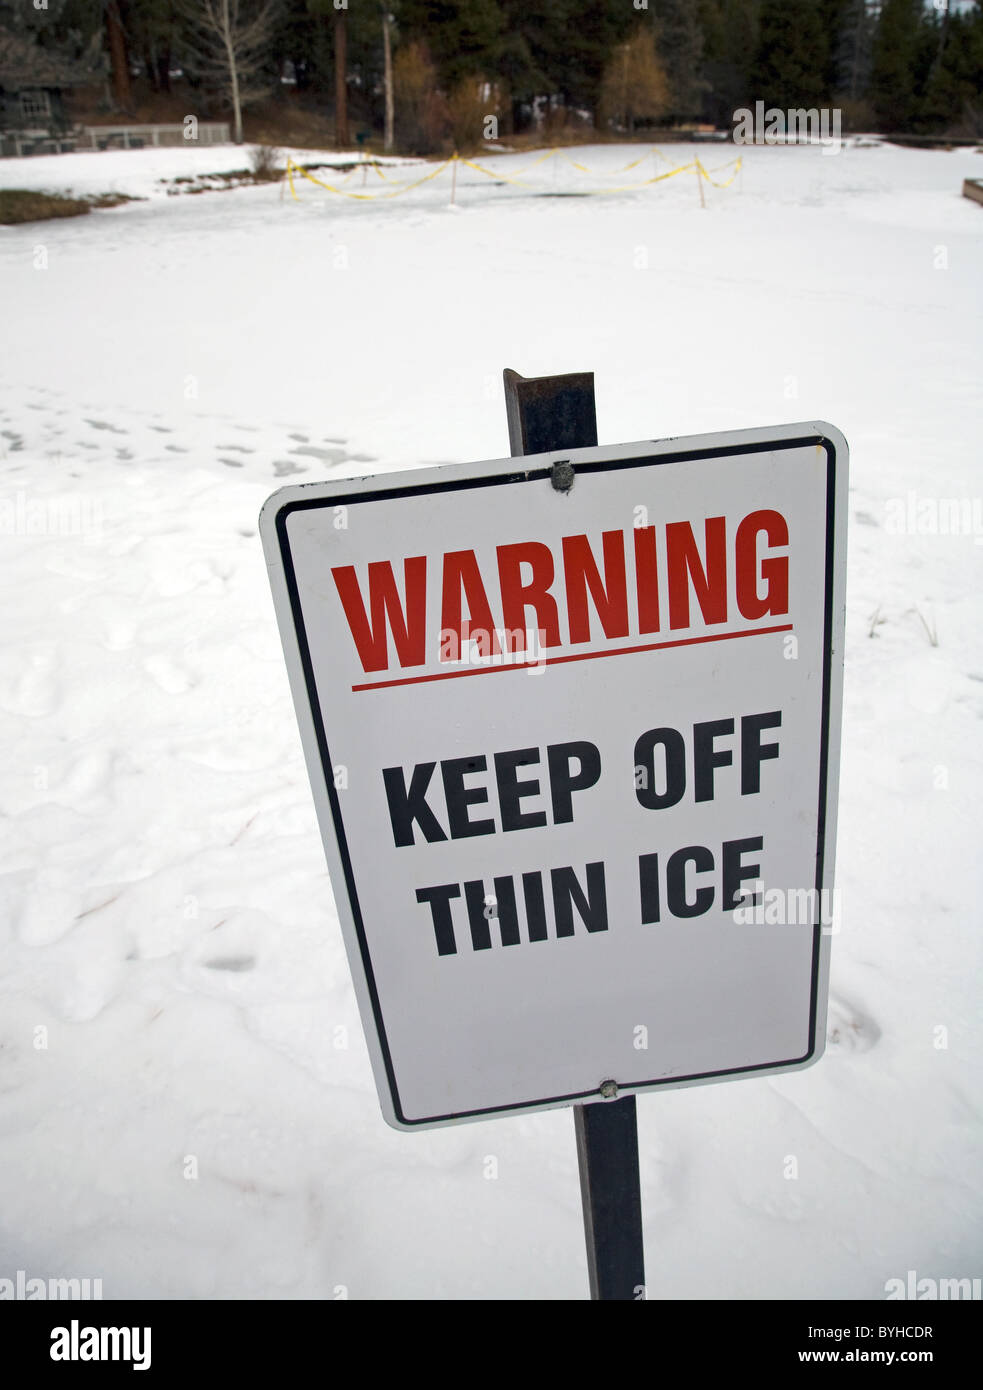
pixel 26 205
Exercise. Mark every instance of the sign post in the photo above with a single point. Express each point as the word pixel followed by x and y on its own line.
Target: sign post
pixel 571 720
pixel 546 414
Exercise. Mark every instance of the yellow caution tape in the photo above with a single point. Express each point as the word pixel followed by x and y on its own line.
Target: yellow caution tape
pixel 589 192
pixel 695 166
pixel 361 197
pixel 608 173
pixel 726 183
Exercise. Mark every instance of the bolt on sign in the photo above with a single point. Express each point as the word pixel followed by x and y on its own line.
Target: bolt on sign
pixel 590 746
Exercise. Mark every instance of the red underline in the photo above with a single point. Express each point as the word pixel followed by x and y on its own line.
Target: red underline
pixel 579 656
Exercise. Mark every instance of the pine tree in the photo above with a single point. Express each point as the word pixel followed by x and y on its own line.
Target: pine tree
pixel 953 96
pixel 832 17
pixel 463 36
pixel 593 29
pixel 893 77
pixel 153 29
pixel 528 54
pixel 791 63
pixel 557 49
pixel 854 49
pixel 730 32
pixel 679 43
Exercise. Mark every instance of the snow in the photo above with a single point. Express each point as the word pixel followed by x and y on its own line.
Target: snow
pixel 202 1120
pixel 148 173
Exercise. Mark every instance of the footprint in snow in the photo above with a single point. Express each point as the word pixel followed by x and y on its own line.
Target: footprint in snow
pixel 105 425
pixel 235 964
pixel 325 455
pixel 172 679
pixel 848 1029
pixel 283 468
pixel 228 956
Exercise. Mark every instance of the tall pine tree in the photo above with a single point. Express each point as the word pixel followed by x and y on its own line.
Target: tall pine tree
pixel 953 96
pixel 730 31
pixel 679 44
pixel 854 47
pixel 894 65
pixel 792 59
pixel 464 36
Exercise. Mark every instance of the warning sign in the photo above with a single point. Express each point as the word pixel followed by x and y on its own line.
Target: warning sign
pixel 574 755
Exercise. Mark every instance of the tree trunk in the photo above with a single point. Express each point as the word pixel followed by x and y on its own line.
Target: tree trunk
pixel 118 58
pixel 390 106
pixel 340 81
pixel 164 70
pixel 230 55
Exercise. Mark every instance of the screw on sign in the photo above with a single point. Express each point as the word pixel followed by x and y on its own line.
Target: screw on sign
pixel 589 706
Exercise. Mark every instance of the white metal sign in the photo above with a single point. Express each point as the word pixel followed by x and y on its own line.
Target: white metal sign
pixel 574 756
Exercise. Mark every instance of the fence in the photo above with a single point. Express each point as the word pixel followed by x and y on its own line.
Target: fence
pixel 398 188
pixel 137 137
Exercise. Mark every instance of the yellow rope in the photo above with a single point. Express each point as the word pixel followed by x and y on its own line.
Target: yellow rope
pixel 363 197
pixel 696 166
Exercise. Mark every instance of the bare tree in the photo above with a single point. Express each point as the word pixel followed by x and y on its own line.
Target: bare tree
pixel 230 39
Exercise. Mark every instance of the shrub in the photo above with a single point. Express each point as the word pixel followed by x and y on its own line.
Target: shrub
pixel 264 161
pixel 421 112
pixel 471 103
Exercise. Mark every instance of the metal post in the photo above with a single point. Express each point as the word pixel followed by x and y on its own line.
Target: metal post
pixel 607 1149
pixel 546 414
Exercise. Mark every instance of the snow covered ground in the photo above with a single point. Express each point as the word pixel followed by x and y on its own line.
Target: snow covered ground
pixel 186 1106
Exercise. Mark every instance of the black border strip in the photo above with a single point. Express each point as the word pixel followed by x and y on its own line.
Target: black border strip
pixel 535 475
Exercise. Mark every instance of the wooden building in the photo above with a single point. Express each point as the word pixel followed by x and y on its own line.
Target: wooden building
pixel 33 84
